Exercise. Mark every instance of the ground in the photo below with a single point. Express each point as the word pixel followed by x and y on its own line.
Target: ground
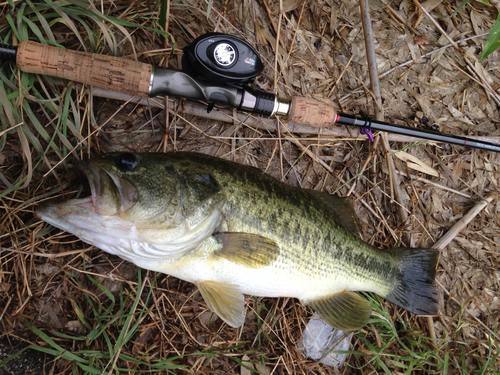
pixel 92 312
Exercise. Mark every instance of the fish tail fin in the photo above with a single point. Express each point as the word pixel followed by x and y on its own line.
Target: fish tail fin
pixel 414 289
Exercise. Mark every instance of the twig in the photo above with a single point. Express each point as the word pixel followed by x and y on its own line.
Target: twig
pixel 439 186
pixel 277 47
pixel 292 43
pixel 275 86
pixel 375 86
pixel 371 57
pixel 9 129
pixel 167 117
pixel 462 223
pixel 363 168
pixel 51 256
pixel 5 307
pixel 270 15
pixel 341 75
pixel 432 331
pixel 227 116
pixel 310 153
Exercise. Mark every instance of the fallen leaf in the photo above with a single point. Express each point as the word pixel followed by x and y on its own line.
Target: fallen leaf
pixel 254 366
pixel 140 342
pixel 488 294
pixel 317 75
pixel 420 40
pixel 415 163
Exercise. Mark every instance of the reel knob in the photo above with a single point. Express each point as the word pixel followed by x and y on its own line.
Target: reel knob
pixel 225 54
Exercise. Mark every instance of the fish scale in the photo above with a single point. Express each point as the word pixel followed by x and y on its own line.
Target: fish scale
pixel 232 229
pixel 303 243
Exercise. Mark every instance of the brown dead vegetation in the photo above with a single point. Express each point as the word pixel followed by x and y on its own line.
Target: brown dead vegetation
pixel 314 49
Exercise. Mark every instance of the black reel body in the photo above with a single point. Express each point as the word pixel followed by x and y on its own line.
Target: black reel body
pixel 222 58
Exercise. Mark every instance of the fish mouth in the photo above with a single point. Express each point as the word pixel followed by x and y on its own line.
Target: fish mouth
pixel 110 194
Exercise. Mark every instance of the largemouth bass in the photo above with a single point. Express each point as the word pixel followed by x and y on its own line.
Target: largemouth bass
pixel 233 230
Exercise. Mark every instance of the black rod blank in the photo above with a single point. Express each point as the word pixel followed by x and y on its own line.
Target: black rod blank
pixel 431 135
pixel 7 53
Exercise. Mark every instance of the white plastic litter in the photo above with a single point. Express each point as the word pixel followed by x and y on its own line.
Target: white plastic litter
pixel 319 339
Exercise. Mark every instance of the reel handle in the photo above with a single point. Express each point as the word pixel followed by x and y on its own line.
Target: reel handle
pixel 107 72
pixel 311 112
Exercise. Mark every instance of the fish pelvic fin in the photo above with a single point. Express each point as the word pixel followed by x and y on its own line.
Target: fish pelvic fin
pixel 226 300
pixel 414 288
pixel 345 310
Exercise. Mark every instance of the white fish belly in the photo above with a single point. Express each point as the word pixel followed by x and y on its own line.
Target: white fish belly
pixel 267 281
pixel 273 282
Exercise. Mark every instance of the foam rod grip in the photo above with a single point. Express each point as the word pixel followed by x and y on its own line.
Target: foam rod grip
pixel 311 112
pixel 107 72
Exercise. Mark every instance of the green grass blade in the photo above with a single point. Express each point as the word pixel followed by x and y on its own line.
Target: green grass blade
pixel 464 3
pixel 21 26
pixel 80 315
pixel 65 19
pixel 493 41
pixel 89 369
pixel 34 28
pixel 105 291
pixel 60 351
pixel 43 22
pixel 11 357
pixel 13 27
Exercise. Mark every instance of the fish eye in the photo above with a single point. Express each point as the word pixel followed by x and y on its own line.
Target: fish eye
pixel 126 162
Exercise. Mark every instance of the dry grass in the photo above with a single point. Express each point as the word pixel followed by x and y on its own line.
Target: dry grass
pixel 94 312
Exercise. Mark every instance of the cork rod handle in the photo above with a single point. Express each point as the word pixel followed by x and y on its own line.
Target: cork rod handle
pixel 107 72
pixel 311 112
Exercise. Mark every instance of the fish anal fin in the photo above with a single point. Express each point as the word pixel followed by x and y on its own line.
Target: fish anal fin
pixel 342 209
pixel 246 249
pixel 346 310
pixel 226 300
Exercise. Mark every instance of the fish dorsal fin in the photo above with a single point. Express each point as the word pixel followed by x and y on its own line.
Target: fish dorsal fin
pixel 226 300
pixel 342 210
pixel 346 310
pixel 247 249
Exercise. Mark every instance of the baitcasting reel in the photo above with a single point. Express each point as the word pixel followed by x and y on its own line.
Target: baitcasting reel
pixel 221 58
pixel 221 67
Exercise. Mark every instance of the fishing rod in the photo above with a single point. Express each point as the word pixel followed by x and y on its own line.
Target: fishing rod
pixel 217 68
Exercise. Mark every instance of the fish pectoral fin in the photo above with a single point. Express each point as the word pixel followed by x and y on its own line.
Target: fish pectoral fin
pixel 346 310
pixel 226 300
pixel 246 249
